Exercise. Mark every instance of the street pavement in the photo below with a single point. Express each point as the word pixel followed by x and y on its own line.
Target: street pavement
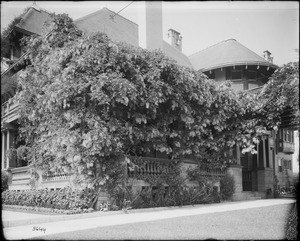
pixel 35 225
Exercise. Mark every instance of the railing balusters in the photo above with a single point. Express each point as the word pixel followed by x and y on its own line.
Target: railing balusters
pixel 156 166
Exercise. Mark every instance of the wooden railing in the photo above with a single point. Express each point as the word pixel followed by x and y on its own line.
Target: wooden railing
pixel 212 172
pixel 148 166
pixel 9 110
pixel 55 176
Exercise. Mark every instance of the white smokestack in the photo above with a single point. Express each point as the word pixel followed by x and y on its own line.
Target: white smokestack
pixel 150 25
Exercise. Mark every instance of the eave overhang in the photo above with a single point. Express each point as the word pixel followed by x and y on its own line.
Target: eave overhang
pixel 232 64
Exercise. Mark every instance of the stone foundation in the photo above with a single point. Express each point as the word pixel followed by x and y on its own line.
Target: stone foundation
pixel 236 172
pixel 265 179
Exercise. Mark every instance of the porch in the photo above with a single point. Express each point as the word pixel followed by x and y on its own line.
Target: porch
pixel 9 111
pixel 20 179
pixel 145 167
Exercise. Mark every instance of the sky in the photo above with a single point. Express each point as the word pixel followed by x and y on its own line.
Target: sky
pixel 258 25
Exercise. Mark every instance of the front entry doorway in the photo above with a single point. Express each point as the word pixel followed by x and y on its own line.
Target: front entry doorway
pixel 249 163
pixel 247 180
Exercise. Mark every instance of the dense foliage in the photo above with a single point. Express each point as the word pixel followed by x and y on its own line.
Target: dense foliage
pixel 164 193
pixel 282 93
pixel 65 198
pixel 227 187
pixel 87 102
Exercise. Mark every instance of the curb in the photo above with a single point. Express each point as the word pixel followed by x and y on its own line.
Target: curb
pixel 55 218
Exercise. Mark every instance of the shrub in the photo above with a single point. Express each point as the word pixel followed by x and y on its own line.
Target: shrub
pixel 22 155
pixel 65 198
pixel 161 196
pixel 227 187
pixel 4 181
pixel 119 193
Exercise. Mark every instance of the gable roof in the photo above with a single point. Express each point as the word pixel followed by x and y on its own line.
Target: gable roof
pixel 115 26
pixel 121 29
pixel 32 22
pixel 226 53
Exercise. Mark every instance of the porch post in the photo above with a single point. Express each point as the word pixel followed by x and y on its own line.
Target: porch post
pixel 264 152
pixel 271 152
pixel 3 151
pixel 257 155
pixel 272 149
pixel 7 147
pixel 238 154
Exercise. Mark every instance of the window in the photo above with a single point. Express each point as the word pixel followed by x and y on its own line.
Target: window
pixel 284 135
pixel 251 74
pixel 279 165
pixel 236 74
pixel 287 164
pixel 233 73
pixel 284 164
pixel 288 135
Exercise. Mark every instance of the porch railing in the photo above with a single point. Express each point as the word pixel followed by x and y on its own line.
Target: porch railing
pixel 148 166
pixel 55 176
pixel 9 110
pixel 212 172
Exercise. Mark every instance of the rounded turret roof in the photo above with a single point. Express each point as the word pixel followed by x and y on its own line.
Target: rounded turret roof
pixel 226 53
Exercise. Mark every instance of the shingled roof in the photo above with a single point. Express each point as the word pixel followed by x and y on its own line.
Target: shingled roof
pixel 33 20
pixel 115 26
pixel 226 53
pixel 121 29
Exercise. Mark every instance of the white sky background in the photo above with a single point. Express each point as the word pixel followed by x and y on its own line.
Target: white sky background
pixel 260 26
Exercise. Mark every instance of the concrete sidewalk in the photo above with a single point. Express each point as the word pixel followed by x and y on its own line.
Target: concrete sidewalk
pixel 35 225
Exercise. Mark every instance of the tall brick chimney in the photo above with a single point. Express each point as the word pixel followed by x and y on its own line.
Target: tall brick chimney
pixel 150 25
pixel 174 38
pixel 267 56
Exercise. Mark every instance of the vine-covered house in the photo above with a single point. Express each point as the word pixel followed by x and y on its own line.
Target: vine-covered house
pixel 228 60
